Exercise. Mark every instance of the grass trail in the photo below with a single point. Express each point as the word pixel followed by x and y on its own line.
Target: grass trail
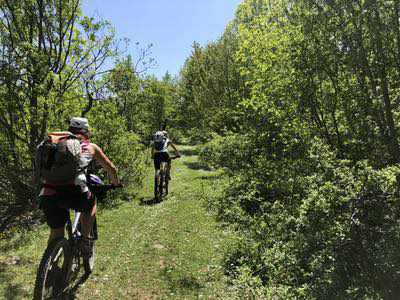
pixel 169 250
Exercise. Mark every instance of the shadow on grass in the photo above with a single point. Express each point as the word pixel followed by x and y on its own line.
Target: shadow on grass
pixel 11 290
pixel 211 177
pixel 190 151
pixel 149 202
pixel 197 166
pixel 115 202
pixel 15 228
pixel 182 282
pixel 12 244
pixel 72 291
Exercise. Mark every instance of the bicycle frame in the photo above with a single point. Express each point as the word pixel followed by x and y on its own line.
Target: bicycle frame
pixel 161 179
pixel 76 221
pixel 163 168
pixel 72 227
pixel 72 259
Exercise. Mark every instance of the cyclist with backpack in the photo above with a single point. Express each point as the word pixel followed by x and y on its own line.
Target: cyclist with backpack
pixel 160 151
pixel 61 163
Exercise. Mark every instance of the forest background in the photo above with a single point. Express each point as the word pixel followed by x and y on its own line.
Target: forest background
pixel 298 102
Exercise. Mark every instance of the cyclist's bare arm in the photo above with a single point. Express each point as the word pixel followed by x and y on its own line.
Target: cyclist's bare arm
pixel 106 164
pixel 175 148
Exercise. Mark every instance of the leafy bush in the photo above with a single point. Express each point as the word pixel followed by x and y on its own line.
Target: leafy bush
pixel 194 136
pixel 121 146
pixel 328 233
pixel 221 150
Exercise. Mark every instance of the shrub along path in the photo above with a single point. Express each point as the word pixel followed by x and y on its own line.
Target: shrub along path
pixel 146 250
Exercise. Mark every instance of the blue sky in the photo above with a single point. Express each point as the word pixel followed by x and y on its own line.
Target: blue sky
pixel 170 25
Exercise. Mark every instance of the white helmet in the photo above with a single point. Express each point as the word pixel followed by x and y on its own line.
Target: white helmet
pixel 78 122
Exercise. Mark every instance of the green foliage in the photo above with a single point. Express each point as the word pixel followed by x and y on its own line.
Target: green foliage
pixel 146 103
pixel 52 64
pixel 313 157
pixel 219 151
pixel 326 234
pixel 40 65
pixel 349 75
pixel 120 145
pixel 210 88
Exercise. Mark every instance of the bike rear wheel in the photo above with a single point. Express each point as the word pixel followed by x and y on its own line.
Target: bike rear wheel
pixel 51 278
pixel 158 185
pixel 160 188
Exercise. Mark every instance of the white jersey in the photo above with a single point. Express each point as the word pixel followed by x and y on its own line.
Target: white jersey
pixel 165 146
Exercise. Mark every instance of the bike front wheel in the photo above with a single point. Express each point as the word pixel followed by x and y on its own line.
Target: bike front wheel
pixel 51 278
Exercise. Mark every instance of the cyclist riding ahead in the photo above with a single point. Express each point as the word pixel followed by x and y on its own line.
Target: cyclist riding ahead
pixel 160 152
pixel 57 195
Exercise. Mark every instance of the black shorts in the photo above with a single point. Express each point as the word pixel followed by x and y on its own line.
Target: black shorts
pixel 160 157
pixel 56 207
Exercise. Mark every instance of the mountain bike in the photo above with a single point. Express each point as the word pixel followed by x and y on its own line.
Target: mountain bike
pixel 161 180
pixel 62 259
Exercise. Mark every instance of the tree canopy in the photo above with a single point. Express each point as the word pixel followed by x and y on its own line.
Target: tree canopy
pixel 310 140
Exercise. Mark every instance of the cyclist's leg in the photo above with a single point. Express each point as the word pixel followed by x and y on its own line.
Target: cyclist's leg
pixel 87 220
pixel 163 168
pixel 167 159
pixel 56 216
pixel 157 165
pixel 55 233
pixel 86 204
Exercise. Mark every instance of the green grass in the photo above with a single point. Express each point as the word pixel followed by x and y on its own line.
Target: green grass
pixel 169 250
